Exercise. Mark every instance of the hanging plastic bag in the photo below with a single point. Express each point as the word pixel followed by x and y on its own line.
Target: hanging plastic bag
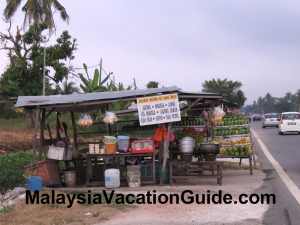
pixel 85 120
pixel 218 114
pixel 110 118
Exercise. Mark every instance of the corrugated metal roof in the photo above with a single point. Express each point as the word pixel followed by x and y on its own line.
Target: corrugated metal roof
pixel 98 97
pixel 27 101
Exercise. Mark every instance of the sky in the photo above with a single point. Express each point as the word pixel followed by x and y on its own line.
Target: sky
pixel 184 43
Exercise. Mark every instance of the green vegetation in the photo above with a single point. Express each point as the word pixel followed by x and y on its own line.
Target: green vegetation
pixel 36 12
pixel 24 74
pixel 268 103
pixel 230 90
pixel 5 210
pixel 12 167
pixel 15 123
pixel 94 83
pixel 152 84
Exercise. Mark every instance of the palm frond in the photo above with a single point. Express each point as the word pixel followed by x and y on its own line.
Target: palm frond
pixel 63 13
pixel 11 8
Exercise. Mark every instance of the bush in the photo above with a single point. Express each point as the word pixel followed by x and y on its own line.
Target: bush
pixel 12 168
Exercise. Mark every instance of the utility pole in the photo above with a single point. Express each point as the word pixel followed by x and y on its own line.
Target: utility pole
pixel 100 65
pixel 44 73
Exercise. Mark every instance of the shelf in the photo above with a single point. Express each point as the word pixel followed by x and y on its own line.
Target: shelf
pixel 235 135
pixel 232 145
pixel 229 126
pixel 191 126
pixel 233 156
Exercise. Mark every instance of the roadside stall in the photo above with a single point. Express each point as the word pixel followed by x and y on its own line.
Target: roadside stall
pixel 232 133
pixel 129 146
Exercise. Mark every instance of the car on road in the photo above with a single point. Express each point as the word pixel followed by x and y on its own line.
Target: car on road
pixel 271 120
pixel 256 117
pixel 289 122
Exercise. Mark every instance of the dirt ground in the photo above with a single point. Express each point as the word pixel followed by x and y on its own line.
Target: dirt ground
pixel 235 182
pixel 24 214
pixel 15 139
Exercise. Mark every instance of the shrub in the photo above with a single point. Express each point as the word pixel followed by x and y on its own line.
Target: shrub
pixel 11 169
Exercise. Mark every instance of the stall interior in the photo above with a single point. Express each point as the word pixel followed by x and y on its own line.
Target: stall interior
pixel 95 140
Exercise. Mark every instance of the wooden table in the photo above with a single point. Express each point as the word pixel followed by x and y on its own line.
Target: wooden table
pixel 204 165
pixel 116 158
pixel 249 157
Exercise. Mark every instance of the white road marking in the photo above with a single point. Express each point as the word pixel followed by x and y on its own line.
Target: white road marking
pixel 292 187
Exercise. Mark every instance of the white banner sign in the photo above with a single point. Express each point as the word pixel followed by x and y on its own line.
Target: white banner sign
pixel 158 109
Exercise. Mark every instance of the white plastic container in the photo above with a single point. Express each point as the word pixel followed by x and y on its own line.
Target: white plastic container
pixel 134 176
pixel 112 178
pixel 187 145
pixel 59 153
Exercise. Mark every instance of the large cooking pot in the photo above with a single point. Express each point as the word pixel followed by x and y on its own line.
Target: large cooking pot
pixel 187 145
pixel 209 149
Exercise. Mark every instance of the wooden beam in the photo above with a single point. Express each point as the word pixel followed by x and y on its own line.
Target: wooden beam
pixel 74 133
pixel 192 105
pixel 36 126
pixel 42 128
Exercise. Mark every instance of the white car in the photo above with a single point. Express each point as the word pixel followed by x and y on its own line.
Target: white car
pixel 271 120
pixel 289 122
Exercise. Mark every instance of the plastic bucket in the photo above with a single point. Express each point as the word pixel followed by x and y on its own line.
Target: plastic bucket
pixel 134 176
pixel 34 183
pixel 110 148
pixel 112 178
pixel 123 143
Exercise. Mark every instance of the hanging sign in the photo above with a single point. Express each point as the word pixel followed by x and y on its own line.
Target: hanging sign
pixel 158 109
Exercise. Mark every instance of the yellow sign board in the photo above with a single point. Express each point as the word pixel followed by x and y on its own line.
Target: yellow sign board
pixel 158 109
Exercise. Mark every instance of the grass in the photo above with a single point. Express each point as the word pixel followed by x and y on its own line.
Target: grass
pixel 16 123
pixel 5 210
pixel 12 167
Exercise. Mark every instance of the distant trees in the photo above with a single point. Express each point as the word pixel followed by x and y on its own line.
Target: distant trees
pixel 230 90
pixel 268 103
pixel 152 84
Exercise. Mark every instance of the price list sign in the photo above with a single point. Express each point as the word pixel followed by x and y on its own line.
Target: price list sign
pixel 158 109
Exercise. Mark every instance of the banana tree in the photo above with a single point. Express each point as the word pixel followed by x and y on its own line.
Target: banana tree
pixel 94 83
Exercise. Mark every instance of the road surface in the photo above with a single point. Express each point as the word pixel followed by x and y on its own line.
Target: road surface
pixel 286 151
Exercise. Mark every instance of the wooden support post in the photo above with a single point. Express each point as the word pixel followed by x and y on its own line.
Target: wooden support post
pixel 153 168
pixel 42 128
pixel 165 155
pixel 74 133
pixel 36 127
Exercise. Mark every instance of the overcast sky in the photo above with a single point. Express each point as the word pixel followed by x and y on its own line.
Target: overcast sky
pixel 186 42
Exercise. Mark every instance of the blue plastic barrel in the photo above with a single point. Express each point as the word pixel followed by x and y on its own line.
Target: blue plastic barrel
pixel 34 183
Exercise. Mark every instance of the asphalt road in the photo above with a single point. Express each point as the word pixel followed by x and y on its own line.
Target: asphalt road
pixel 286 150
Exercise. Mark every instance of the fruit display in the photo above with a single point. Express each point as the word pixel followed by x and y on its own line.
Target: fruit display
pixel 234 141
pixel 236 150
pixel 231 120
pixel 191 121
pixel 227 131
pixel 234 146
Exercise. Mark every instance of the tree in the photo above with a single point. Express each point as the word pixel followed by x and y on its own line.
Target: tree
pixel 36 11
pixel 95 83
pixel 67 88
pixel 230 90
pixel 23 75
pixel 152 84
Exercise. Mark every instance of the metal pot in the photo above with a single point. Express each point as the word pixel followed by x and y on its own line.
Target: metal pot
pixel 187 145
pixel 209 149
